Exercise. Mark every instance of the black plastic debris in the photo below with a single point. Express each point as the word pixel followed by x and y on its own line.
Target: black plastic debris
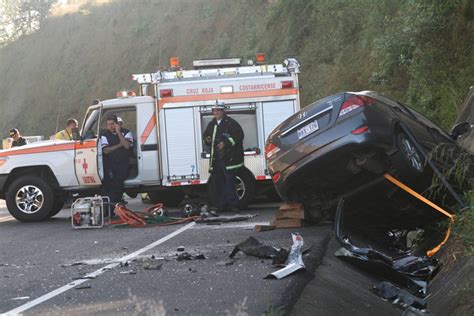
pixel 410 272
pixel 187 256
pixel 294 261
pixel 225 263
pixel 225 219
pixel 86 277
pixel 397 296
pixel 253 247
pixel 83 287
pixel 180 248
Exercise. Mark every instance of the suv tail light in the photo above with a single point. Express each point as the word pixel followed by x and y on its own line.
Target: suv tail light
pixel 276 177
pixel 355 102
pixel 270 150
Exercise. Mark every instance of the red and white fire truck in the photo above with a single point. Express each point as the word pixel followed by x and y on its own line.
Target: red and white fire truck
pixel 167 119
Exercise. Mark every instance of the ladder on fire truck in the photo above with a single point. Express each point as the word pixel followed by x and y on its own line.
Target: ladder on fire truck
pixel 290 65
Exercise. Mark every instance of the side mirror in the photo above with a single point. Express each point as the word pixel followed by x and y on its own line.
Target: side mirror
pixel 460 129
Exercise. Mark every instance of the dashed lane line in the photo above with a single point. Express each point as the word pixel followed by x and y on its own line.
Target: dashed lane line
pixel 94 274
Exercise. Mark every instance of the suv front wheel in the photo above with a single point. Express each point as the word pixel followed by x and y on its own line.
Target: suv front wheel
pixel 30 199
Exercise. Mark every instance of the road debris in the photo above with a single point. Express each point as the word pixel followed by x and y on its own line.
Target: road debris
pixel 263 228
pixel 180 248
pixel 128 272
pixel 187 256
pixel 294 261
pixel 20 298
pixel 225 263
pixel 224 219
pixel 85 287
pixel 253 247
pixel 86 277
pixel 153 267
pixel 397 296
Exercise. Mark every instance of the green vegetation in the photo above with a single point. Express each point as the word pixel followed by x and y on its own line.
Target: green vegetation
pixel 464 225
pixel 420 52
pixel 457 166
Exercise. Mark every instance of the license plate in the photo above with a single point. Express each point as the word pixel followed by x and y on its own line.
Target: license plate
pixel 308 129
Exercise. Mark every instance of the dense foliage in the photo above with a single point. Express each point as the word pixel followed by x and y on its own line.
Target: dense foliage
pixel 420 52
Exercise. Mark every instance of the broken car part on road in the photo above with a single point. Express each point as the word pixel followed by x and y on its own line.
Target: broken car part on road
pixel 294 261
pixel 253 247
pixel 400 297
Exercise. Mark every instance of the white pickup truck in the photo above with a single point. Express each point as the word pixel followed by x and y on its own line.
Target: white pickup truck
pixel 169 158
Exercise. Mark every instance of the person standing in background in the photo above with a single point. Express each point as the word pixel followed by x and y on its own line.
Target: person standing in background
pixel 17 139
pixel 67 133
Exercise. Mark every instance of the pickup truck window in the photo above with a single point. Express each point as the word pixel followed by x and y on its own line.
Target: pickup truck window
pixel 89 129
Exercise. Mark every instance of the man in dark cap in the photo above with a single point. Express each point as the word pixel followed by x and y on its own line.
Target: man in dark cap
pixel 17 139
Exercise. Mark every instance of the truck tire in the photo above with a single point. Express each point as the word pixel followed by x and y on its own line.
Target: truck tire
pixel 245 186
pixel 30 199
pixel 168 198
pixel 57 207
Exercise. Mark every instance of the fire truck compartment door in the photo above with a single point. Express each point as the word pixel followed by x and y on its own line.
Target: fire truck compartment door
pixel 179 143
pixel 276 112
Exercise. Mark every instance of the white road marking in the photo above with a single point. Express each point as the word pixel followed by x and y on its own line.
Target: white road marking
pixel 94 274
pixel 6 219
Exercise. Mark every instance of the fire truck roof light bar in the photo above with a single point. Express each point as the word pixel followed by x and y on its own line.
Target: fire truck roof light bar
pixel 217 62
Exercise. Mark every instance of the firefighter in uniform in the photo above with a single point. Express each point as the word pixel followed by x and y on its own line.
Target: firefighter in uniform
pixel 225 138
pixel 116 142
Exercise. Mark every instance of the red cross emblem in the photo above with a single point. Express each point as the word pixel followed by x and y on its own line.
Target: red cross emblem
pixel 85 166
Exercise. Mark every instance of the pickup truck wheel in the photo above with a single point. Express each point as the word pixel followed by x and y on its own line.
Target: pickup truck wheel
pixel 57 207
pixel 30 199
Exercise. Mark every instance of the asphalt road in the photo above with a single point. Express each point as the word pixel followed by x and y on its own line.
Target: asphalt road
pixel 38 275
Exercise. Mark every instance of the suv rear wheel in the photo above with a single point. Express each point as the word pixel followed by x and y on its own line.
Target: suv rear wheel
pixel 411 161
pixel 30 199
